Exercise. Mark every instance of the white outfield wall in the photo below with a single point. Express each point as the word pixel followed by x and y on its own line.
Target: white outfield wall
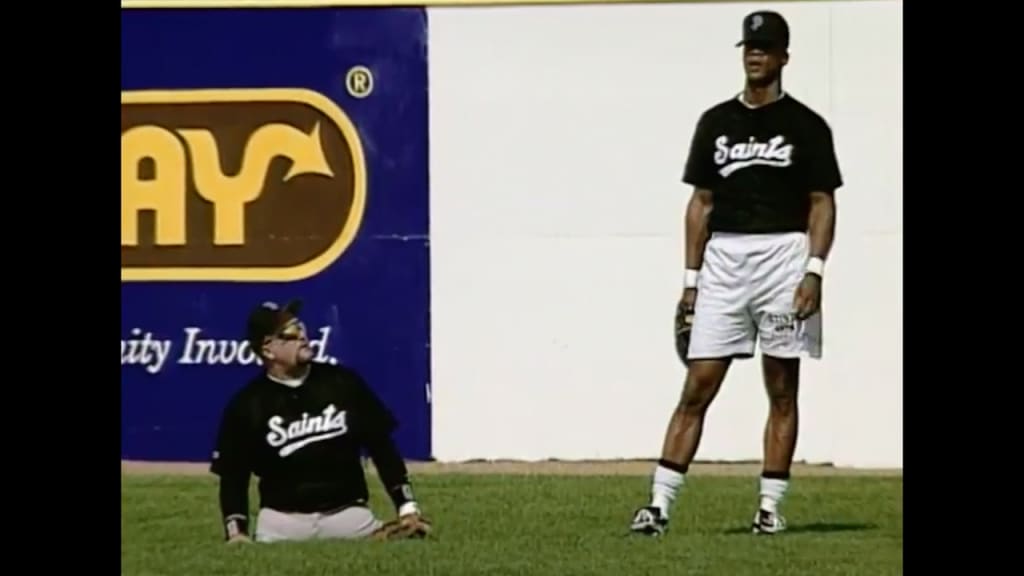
pixel 558 137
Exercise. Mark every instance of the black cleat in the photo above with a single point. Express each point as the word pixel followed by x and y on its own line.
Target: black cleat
pixel 766 522
pixel 649 522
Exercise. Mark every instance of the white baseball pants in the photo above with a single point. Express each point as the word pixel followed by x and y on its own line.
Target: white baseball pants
pixel 350 523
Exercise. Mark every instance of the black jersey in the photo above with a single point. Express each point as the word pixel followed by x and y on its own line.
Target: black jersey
pixel 761 164
pixel 304 443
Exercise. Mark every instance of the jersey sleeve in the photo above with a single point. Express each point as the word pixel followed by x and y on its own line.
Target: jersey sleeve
pixel 700 169
pixel 374 423
pixel 231 454
pixel 232 463
pixel 821 171
pixel 371 417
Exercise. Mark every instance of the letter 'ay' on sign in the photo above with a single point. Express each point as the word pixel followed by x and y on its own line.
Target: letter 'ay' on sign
pixel 249 185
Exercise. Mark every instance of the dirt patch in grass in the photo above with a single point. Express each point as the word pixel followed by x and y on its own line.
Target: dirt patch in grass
pixel 548 467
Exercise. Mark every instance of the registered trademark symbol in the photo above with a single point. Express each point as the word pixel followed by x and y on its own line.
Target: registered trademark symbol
pixel 359 81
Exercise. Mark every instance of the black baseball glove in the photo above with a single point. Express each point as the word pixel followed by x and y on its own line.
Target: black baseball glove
pixel 683 326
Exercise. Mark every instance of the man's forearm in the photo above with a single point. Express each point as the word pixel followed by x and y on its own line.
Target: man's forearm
pixel 821 226
pixel 234 504
pixel 696 228
pixel 393 473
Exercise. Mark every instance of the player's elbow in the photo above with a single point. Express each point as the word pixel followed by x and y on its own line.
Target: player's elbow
pixel 823 210
pixel 700 199
pixel 823 201
pixel 699 207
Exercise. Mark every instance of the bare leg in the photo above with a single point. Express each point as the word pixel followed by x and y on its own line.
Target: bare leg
pixel 782 383
pixel 682 438
pixel 703 380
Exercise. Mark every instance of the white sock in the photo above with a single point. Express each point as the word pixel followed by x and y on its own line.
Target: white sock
pixel 664 488
pixel 772 492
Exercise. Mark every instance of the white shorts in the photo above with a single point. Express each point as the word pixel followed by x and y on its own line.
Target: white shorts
pixel 353 522
pixel 745 293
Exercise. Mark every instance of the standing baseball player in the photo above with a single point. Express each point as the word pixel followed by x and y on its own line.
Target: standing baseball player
pixel 300 427
pixel 759 227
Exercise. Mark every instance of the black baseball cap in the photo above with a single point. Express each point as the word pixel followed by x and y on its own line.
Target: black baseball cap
pixel 267 319
pixel 765 27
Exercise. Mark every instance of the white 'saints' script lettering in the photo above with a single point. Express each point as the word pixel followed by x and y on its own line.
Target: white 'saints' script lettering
pixel 306 430
pixel 741 155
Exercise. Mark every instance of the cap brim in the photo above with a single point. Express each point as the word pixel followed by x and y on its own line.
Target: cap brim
pixel 763 42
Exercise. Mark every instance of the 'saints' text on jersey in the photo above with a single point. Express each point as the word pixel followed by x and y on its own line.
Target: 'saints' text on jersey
pixel 751 153
pixel 305 431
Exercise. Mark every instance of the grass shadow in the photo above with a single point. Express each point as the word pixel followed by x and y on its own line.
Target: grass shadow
pixel 816 528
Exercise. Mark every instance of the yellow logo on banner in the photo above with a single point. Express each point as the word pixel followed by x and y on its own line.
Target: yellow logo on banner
pixel 236 185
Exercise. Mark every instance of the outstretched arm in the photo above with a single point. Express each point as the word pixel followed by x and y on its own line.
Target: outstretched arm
pixel 234 505
pixel 231 463
pixel 376 424
pixel 393 473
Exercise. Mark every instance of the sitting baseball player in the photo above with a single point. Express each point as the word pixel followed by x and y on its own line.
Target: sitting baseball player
pixel 300 426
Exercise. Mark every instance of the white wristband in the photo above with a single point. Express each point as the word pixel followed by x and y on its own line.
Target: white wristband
pixel 816 266
pixel 409 507
pixel 690 278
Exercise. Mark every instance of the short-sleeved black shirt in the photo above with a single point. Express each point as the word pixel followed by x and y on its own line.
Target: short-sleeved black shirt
pixel 761 164
pixel 303 443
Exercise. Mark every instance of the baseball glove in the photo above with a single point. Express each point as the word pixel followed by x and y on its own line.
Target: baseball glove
pixel 410 526
pixel 683 325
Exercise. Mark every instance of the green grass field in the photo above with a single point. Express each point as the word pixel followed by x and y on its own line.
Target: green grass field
pixel 552 525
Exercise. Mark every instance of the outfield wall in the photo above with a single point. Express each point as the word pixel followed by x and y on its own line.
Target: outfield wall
pixel 509 282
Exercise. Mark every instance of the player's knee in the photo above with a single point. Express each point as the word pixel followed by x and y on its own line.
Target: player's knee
pixel 782 397
pixel 781 379
pixel 700 389
pixel 693 402
pixel 783 401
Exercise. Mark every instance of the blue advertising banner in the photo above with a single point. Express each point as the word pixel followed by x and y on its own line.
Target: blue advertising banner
pixel 270 154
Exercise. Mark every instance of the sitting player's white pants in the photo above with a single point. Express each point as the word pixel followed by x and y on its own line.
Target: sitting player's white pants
pixel 353 522
pixel 745 293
